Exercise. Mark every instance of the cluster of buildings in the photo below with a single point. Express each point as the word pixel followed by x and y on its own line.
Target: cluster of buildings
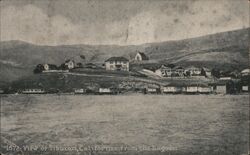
pixel 222 88
pixel 112 63
pixel 190 89
pixel 74 91
pixel 178 71
pixel 123 64
pixel 65 67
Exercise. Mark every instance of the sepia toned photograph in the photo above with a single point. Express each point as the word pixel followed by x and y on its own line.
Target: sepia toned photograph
pixel 124 77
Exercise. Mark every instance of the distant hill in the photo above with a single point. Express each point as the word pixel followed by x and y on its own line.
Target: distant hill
pixel 227 50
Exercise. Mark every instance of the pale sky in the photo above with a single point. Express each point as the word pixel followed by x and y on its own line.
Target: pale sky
pixel 121 22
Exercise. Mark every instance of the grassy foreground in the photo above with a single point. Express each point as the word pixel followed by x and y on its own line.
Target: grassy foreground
pixel 135 124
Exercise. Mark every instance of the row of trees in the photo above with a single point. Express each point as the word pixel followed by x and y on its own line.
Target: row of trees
pixel 40 68
pixel 219 73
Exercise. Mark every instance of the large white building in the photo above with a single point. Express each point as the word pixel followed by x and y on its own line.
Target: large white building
pixel 117 63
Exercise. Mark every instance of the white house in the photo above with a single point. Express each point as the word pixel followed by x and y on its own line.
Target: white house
pixel 79 91
pixel 141 56
pixel 172 89
pixel 159 72
pixel 105 91
pixel 194 71
pixel 245 88
pixel 70 64
pixel 48 67
pixel 221 89
pixel 152 90
pixel 164 71
pixel 245 72
pixel 191 89
pixel 205 89
pixel 117 63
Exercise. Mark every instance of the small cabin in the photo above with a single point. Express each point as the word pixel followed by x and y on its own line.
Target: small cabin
pixel 205 90
pixel 152 90
pixel 221 89
pixel 79 91
pixel 105 91
pixel 245 88
pixel 191 89
pixel 172 89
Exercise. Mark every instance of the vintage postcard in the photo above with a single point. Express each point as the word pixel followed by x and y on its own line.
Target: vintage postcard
pixel 124 77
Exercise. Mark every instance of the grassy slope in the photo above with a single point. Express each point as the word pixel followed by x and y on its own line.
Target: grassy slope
pixel 92 79
pixel 67 81
pixel 223 50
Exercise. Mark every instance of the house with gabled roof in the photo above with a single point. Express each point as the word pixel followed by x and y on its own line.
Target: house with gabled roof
pixel 117 64
pixel 140 56
pixel 70 64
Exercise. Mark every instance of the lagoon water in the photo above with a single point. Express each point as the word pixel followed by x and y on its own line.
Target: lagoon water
pixel 127 124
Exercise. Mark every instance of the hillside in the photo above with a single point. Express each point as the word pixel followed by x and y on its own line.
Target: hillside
pixel 227 50
pixel 66 82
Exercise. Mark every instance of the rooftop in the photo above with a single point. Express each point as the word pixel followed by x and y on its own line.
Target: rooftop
pixel 117 59
pixel 246 71
pixel 144 57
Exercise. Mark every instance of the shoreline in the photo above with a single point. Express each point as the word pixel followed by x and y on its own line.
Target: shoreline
pixel 128 94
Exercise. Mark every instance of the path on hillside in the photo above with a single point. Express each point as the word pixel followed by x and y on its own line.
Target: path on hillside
pixel 133 78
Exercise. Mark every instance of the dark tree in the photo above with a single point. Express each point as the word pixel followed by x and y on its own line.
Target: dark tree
pixel 203 72
pixel 80 65
pixel 171 65
pixel 83 57
pixel 63 67
pixel 216 73
pixel 53 67
pixel 188 73
pixel 39 68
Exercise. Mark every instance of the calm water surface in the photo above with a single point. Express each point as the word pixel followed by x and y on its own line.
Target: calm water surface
pixel 132 124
